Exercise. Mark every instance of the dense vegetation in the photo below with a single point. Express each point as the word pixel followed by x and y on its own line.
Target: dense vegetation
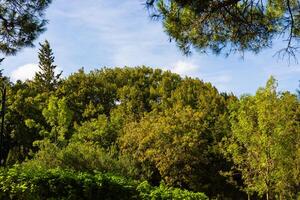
pixel 33 183
pixel 168 137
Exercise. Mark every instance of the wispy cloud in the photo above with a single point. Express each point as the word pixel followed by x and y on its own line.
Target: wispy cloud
pixel 221 80
pixel 120 30
pixel 191 68
pixel 97 33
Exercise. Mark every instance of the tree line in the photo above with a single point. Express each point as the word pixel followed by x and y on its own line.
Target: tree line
pixel 152 125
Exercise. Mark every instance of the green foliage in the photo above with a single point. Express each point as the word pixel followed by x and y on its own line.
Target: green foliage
pixel 36 183
pixel 23 103
pixel 80 157
pixel 21 23
pixel 179 144
pixel 101 131
pixel 58 117
pixel 46 80
pixel 229 26
pixel 147 124
pixel 88 94
pixel 264 144
pixel 163 192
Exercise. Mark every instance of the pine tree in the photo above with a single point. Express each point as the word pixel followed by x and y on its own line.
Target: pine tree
pixel 45 78
pixel 21 22
pixel 229 26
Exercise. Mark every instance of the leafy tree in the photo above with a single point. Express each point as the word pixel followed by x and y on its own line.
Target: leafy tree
pixel 264 144
pixel 21 22
pixel 88 94
pixel 176 147
pixel 229 25
pixel 101 131
pixel 21 105
pixel 26 102
pixel 144 90
pixel 58 118
pixel 46 79
pixel 298 91
pixel 180 143
pixel 132 91
pixel 148 124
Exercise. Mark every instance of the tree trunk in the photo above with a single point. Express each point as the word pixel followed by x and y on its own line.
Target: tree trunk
pixel 2 149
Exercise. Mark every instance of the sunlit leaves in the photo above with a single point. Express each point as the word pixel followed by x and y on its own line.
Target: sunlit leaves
pixel 264 144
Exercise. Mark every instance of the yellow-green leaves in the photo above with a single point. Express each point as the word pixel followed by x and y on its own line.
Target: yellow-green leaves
pixel 264 144
pixel 58 116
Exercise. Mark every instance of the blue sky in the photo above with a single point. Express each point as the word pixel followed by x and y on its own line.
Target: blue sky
pixel 97 33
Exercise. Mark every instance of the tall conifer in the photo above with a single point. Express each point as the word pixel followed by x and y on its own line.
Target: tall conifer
pixel 45 78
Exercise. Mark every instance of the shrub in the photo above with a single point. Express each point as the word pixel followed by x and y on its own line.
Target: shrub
pixel 21 182
pixel 163 192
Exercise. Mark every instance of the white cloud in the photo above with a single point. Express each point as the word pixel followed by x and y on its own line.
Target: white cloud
pixel 24 72
pixel 185 68
pixel 27 72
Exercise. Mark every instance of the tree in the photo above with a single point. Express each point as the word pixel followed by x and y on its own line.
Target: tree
pixel 298 91
pixel 21 22
pixel 229 25
pixel 100 131
pixel 45 79
pixel 264 145
pixel 58 117
pixel 179 142
pixel 21 105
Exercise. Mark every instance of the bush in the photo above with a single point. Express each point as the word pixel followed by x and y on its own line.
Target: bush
pixel 38 183
pixel 22 183
pixel 162 192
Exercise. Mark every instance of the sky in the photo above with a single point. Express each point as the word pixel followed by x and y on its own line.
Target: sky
pixel 100 33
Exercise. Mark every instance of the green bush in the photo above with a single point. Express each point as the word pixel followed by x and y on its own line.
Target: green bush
pixel 162 192
pixel 21 182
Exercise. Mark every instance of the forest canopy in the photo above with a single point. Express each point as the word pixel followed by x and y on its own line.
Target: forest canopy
pixel 171 136
pixel 147 133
